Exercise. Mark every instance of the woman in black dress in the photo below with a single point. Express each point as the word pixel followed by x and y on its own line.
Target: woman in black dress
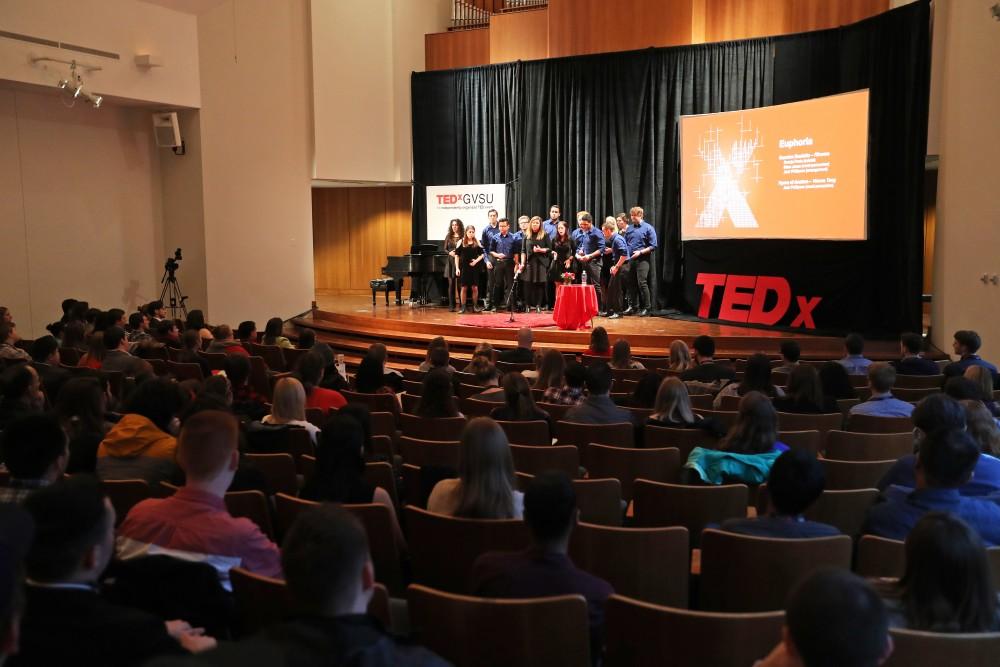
pixel 538 257
pixel 468 266
pixel 452 241
pixel 563 248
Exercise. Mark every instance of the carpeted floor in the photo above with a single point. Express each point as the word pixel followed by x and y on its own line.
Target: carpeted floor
pixel 501 320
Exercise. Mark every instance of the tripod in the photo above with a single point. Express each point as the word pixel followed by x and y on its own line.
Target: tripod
pixel 510 294
pixel 171 294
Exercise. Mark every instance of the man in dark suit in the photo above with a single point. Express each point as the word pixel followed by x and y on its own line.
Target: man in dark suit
pixel 118 358
pixel 45 360
pixel 707 370
pixel 522 354
pixel 66 622
pixel 911 346
pixel 795 482
pixel 598 408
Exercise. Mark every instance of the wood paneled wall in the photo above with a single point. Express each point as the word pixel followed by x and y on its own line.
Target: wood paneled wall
pixel 576 27
pixel 354 230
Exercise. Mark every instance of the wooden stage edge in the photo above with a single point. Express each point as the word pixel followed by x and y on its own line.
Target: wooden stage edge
pixel 351 323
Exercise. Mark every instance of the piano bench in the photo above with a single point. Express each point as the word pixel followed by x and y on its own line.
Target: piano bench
pixel 385 284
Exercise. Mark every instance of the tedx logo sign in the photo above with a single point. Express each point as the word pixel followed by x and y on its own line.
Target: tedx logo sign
pixel 746 299
pixel 468 199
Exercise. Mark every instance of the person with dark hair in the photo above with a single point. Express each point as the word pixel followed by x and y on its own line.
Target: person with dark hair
pixel 369 379
pixel 167 333
pixel 934 413
pixel 22 394
pixel 912 362
pixel 944 464
pixel 310 370
pixel 854 361
pixel 246 332
pixel 966 345
pixel 223 342
pixel 790 354
pixel 836 382
pixel 8 338
pixel 437 399
pixel 600 346
pixel 484 488
pixel 246 402
pixel 707 370
pixel 672 409
pixel 436 342
pixel 805 394
pixel 519 405
pixel 34 450
pixel 118 358
pixel 947 585
pixel 80 408
pixel 191 345
pixel 544 568
pixel 757 377
pixel 572 391
pixel 79 312
pixel 137 328
pixel 833 619
pixel 881 378
pixel 74 336
pixel 598 408
pixel 439 357
pixel 644 394
pixel 621 356
pixel 307 338
pixel 273 333
pixel 95 352
pixel 156 311
pixel 196 322
pixel 487 377
pixel 390 377
pixel 334 369
pixel 140 445
pixel 193 523
pixel 795 482
pixel 66 621
pixel 45 360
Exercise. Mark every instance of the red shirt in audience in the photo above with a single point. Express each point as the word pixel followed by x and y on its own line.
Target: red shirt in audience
pixel 325 399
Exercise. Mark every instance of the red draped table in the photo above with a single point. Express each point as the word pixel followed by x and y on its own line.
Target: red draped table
pixel 575 306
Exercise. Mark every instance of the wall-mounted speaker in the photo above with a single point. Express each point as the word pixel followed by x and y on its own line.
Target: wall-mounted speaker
pixel 167 129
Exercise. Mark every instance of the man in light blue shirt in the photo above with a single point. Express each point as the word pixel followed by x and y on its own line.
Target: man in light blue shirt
pixel 881 378
pixel 855 361
pixel 490 232
pixel 641 239
pixel 550 225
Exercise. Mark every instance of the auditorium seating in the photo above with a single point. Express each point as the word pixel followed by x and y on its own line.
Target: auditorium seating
pixel 684 439
pixel 444 428
pixel 661 464
pixel 810 441
pixel 580 435
pixel 725 417
pixel 278 469
pixel 854 474
pixel 918 382
pixel 430 452
pixel 375 402
pixel 871 424
pixel 125 494
pixel 844 509
pixel 882 557
pixel 868 446
pixel 788 421
pixel 536 460
pixel 252 505
pixel 694 507
pixel 527 432
pixel 913 648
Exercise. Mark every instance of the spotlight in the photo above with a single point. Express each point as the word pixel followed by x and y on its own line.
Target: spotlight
pixel 96 101
pixel 63 84
pixel 79 89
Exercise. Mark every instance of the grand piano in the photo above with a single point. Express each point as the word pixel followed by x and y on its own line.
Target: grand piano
pixel 423 264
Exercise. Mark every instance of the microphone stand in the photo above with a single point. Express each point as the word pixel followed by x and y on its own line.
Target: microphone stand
pixel 510 293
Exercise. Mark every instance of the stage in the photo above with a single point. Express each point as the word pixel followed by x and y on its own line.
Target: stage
pixel 350 324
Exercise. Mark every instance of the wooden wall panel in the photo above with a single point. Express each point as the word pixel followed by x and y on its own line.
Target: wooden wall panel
pixel 458 48
pixel 519 36
pixel 741 19
pixel 597 26
pixel 354 230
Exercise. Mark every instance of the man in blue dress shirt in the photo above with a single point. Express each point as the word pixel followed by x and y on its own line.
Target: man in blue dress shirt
pixel 619 272
pixel 911 346
pixel 641 240
pixel 501 253
pixel 489 233
pixel 550 225
pixel 966 345
pixel 589 248
pixel 881 379
pixel 854 361
pixel 944 464
pixel 520 257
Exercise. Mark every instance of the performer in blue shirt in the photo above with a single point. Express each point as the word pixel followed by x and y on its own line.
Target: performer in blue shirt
pixel 501 253
pixel 589 250
pixel 489 232
pixel 641 244
pixel 619 270
pixel 555 215
pixel 521 250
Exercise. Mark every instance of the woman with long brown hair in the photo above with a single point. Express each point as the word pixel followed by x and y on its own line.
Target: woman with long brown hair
pixel 452 244
pixel 564 249
pixel 539 253
pixel 468 266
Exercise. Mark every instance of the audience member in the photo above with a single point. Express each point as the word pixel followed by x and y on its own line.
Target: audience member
pixel 307 338
pixel 621 356
pixel 223 343
pixel 986 432
pixel 947 585
pixel 246 332
pixel 66 621
pixel 805 393
pixel 597 407
pixel 544 568
pixel 140 445
pixel 5 315
pixel 288 406
pixel 550 370
pixel 94 357
pixel 273 334
pixel 74 336
pixel 482 349
pixel 45 360
pixel 310 370
pixel 436 342
pixel 912 362
pixel 854 361
pixel 81 408
pixel 881 378
pixel 572 391
pixel 487 377
pixel 966 345
pixel 836 382
pixel 981 376
pixel 155 310
pixel 167 333
pixel 22 394
pixel 437 398
pixel 790 354
pixel 334 370
pixel 519 405
pixel 833 619
pixel 644 394
pixel 196 322
pixel 672 409
pixel 190 346
pixel 16 533
pixel 757 377
pixel 8 337
pixel 680 357
pixel 137 328
pixel 370 379
pixel 522 354
pixel 118 358
pixel 600 346
pixel 484 488
pixel 944 464
pixel 706 369
pixel 34 450
pixel 390 376
pixel 246 401
pixel 194 524
pixel 795 482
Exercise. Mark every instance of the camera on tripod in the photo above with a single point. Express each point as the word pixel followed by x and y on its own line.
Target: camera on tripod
pixel 171 294
pixel 171 264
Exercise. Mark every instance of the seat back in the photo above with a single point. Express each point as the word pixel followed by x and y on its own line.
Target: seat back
pixel 730 403
pixel 258 376
pixel 809 441
pixel 846 509
pixel 913 648
pixel 125 494
pixel 556 410
pixel 515 366
pixel 616 435
pixel 430 452
pixel 651 564
pixel 278 470
pixel 383 423
pixel 662 464
pixel 473 407
pixel 380 474
pixel 410 402
pixel 874 424
pixel 725 417
pixel 272 356
pixel 694 507
pixel 880 557
pixel 853 446
pixel 640 633
pixel 443 548
pixel 527 432
pixel 292 356
pixel 918 382
pixel 216 360
pixel 769 568
pixel 793 421
pixel 536 460
pixel 684 439
pixel 252 505
pixel 599 501
pixel 914 394
pixel 316 416
pixel 183 371
pixel 841 475
pixel 533 632
pixel 375 402
pixel 286 510
pixel 442 428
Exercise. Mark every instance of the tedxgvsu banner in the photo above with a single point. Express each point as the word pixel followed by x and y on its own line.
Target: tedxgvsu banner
pixel 468 203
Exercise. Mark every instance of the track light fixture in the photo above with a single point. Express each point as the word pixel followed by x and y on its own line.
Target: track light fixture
pixel 72 87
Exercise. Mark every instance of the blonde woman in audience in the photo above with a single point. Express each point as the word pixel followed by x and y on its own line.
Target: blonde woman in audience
pixel 621 356
pixel 680 357
pixel 984 379
pixel 485 485
pixel 289 406
pixel 550 370
pixel 672 409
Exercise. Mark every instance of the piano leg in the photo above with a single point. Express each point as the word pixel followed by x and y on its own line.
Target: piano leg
pixel 399 291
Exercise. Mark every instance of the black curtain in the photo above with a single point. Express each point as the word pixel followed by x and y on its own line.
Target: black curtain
pixel 601 133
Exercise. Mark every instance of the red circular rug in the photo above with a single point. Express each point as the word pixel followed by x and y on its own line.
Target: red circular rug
pixel 502 320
